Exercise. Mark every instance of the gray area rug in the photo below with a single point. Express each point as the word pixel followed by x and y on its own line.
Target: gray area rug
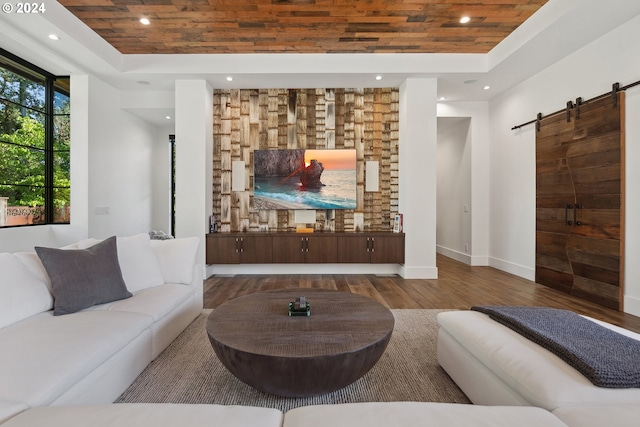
pixel 188 371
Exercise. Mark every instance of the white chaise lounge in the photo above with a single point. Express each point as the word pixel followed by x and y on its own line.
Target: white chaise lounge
pixel 494 365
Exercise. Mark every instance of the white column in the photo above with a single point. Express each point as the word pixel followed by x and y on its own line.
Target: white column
pixel 194 159
pixel 417 166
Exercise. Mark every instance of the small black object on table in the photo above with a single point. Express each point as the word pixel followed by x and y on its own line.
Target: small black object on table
pixel 300 307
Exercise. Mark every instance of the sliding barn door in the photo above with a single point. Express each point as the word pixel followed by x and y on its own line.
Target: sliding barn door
pixel 580 201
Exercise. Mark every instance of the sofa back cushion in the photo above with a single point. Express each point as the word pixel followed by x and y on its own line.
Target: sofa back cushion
pixel 140 268
pixel 177 258
pixel 22 294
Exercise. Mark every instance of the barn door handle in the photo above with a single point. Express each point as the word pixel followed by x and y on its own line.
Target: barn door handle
pixel 566 215
pixel 575 214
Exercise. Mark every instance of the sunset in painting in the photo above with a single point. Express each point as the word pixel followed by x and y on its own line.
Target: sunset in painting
pixel 282 181
pixel 332 159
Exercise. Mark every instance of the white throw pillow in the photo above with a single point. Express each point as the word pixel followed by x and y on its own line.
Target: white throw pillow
pixel 22 293
pixel 140 268
pixel 176 257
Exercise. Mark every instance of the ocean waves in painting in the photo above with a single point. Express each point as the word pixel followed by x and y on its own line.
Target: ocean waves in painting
pixel 338 192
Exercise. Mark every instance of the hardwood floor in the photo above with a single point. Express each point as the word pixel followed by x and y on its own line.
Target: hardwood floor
pixel 459 286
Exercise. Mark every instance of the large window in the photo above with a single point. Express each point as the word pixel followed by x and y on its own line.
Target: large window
pixel 34 144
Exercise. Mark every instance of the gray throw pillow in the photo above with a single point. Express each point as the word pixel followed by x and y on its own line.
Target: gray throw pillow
pixel 81 278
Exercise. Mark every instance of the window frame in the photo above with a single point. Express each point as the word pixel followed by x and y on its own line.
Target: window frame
pixel 34 73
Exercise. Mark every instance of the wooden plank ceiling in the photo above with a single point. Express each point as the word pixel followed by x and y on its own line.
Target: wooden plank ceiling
pixel 303 26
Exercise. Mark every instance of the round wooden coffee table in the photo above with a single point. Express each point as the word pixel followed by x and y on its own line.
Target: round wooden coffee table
pixel 256 339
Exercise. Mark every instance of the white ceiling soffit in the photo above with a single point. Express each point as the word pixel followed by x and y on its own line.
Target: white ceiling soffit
pixel 559 28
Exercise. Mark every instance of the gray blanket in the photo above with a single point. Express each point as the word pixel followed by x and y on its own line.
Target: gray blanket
pixel 607 358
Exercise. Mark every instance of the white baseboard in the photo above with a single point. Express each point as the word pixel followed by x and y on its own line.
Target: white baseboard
pixel 234 269
pixel 516 269
pixel 408 272
pixel 380 269
pixel 479 261
pixel 465 258
pixel 453 254
pixel 632 305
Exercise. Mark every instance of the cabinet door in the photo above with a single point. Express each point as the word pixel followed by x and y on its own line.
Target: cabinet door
pixel 288 249
pixel 222 249
pixel 256 249
pixel 387 249
pixel 354 249
pixel 321 249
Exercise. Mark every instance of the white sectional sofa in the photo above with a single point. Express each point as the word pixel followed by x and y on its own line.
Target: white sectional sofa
pixel 93 354
pixel 495 365
pixel 387 414
pixel 67 353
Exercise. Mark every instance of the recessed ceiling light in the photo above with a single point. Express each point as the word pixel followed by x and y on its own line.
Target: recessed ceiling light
pixel 167 117
pixel 442 98
pixel 54 37
pixel 145 21
pixel 378 77
pixel 487 87
pixel 465 20
pixel 470 82
pixel 229 79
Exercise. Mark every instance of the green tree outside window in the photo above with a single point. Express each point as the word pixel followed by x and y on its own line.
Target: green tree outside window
pixel 34 148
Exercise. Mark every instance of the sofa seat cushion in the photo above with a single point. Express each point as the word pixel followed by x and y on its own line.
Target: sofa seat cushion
pixel 532 372
pixel 155 302
pixel 383 414
pixel 45 355
pixel 598 416
pixel 148 414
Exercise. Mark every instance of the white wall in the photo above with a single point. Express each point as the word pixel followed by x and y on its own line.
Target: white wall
pixel 587 73
pixel 480 165
pixel 453 224
pixel 161 171
pixel 121 153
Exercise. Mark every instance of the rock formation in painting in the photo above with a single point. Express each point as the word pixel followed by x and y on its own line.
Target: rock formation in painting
pixel 273 163
pixel 310 176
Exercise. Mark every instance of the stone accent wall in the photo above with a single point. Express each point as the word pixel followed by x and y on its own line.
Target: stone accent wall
pixel 250 119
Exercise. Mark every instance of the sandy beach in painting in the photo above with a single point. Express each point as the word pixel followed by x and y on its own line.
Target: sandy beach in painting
pixel 266 203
